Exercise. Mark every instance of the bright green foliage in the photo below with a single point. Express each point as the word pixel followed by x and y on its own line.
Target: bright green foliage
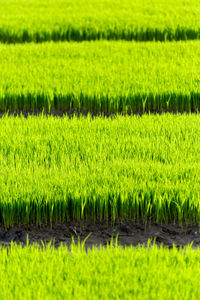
pixel 101 77
pixel 107 273
pixel 44 20
pixel 57 169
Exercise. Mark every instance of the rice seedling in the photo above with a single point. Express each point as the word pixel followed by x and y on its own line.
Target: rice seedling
pixel 100 77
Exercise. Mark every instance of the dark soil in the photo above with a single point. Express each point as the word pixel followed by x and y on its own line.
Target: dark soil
pixel 128 233
pixel 81 112
pixel 56 113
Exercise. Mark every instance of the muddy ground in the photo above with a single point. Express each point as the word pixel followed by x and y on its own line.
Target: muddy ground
pixel 128 233
pixel 81 112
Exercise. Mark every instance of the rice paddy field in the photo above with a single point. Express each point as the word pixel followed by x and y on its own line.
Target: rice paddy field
pixel 60 169
pixel 104 77
pixel 111 273
pixel 99 149
pixel 36 20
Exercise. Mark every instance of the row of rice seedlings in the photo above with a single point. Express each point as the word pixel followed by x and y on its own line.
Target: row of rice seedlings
pixel 151 272
pixel 100 77
pixel 63 20
pixel 101 104
pixel 60 169
pixel 91 34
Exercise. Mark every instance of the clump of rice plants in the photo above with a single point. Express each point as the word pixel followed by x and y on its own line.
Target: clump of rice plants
pixel 106 273
pixel 100 77
pixel 58 169
pixel 66 20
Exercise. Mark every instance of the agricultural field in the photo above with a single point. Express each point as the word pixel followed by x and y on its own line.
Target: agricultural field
pixel 99 149
pixel 100 77
pixel 61 169
pixel 106 273
pixel 36 20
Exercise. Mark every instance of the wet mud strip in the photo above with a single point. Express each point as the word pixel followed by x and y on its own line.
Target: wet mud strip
pixel 101 233
pixel 82 112
pixel 70 113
